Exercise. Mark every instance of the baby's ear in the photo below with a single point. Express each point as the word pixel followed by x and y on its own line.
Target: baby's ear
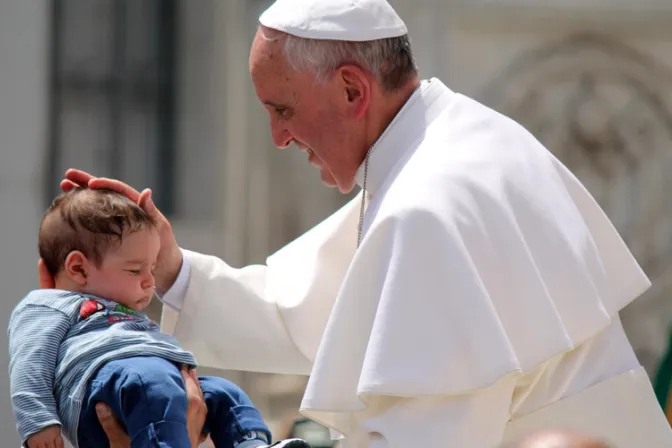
pixel 77 267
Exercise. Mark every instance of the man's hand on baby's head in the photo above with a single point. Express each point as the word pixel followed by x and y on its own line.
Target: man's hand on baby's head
pixel 169 260
pixel 49 437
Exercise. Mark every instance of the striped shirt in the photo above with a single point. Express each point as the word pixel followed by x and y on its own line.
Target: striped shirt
pixel 58 340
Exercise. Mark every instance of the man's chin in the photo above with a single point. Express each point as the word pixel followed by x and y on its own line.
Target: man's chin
pixel 327 179
pixel 331 183
pixel 345 189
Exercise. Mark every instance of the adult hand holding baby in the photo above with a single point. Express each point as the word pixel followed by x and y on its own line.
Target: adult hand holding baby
pixel 196 413
pixel 118 438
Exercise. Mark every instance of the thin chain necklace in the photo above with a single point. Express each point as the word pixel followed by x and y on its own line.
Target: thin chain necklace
pixel 366 172
pixel 364 194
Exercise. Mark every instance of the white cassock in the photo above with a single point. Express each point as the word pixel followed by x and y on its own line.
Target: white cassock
pixel 482 303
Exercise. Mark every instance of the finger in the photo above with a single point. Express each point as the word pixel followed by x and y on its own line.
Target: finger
pixel 115 185
pixel 194 375
pixel 50 444
pixel 186 376
pixel 78 177
pixel 147 203
pixel 45 277
pixel 191 384
pixel 59 442
pixel 68 185
pixel 196 381
pixel 110 425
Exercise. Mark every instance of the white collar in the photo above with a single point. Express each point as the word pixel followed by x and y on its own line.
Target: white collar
pixel 407 126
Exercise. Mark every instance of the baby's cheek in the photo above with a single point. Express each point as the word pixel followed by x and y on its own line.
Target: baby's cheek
pixel 131 290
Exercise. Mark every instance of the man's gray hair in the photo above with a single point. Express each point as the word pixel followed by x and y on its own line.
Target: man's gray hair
pixel 390 60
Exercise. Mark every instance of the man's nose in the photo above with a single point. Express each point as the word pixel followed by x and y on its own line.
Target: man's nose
pixel 281 137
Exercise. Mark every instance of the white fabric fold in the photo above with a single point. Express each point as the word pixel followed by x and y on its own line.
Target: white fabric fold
pixel 483 257
pixel 598 411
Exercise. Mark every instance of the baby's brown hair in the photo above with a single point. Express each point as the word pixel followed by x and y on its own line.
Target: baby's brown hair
pixel 90 221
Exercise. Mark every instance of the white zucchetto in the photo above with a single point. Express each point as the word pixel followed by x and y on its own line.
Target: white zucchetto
pixel 347 20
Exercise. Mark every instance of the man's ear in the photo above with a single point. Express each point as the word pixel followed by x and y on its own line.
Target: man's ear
pixel 356 88
pixel 77 267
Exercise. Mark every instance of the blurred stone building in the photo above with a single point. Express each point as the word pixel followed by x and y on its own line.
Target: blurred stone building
pixel 156 92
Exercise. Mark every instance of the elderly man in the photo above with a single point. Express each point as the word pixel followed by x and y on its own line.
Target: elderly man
pixel 468 296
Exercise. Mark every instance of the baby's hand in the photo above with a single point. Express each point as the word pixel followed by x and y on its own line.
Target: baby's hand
pixel 49 437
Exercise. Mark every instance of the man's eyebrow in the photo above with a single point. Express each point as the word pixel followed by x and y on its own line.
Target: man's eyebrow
pixel 272 104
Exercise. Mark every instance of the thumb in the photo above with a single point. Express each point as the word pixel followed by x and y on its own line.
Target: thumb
pixel 147 203
pixel 45 277
pixel 111 426
pixel 103 412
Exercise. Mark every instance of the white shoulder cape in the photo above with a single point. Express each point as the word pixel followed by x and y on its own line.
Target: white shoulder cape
pixel 483 257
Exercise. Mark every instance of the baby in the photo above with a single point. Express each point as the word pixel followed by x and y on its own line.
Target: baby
pixel 88 342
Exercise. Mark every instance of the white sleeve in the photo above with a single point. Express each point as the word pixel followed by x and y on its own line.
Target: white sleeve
pixel 263 318
pixel 474 420
pixel 228 321
pixel 174 297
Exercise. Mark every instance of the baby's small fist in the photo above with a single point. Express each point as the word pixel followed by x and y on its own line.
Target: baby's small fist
pixel 49 437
